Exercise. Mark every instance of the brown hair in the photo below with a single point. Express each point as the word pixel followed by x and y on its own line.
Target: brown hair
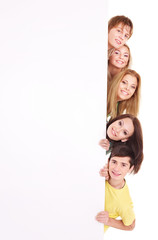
pixel 113 22
pixel 130 105
pixel 135 142
pixel 121 150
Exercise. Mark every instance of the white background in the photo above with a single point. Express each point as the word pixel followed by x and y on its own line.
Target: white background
pixel 52 115
pixel 143 45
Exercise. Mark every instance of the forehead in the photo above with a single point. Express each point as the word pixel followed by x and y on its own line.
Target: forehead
pixel 131 79
pixel 121 159
pixel 122 49
pixel 127 121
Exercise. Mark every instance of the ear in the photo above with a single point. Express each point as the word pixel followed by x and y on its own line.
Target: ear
pixel 108 162
pixel 124 140
pixel 131 169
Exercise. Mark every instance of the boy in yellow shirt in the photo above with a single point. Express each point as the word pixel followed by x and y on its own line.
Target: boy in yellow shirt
pixel 118 202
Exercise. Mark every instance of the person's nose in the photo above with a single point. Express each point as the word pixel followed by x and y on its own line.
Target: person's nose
pixel 117 168
pixel 121 36
pixel 127 87
pixel 121 56
pixel 116 129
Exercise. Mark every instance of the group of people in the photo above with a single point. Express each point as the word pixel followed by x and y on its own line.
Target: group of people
pixel 124 139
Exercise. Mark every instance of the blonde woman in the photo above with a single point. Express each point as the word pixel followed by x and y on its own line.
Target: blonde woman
pixel 123 93
pixel 119 61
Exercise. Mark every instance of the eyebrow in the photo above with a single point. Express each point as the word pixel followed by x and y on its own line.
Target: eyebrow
pixel 117 50
pixel 125 163
pixel 133 84
pixel 113 159
pixel 127 32
pixel 120 28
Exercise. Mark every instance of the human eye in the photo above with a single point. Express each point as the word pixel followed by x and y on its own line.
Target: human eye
pixel 124 164
pixel 123 81
pixel 125 132
pixel 114 161
pixel 117 52
pixel 126 55
pixel 127 36
pixel 120 123
pixel 134 87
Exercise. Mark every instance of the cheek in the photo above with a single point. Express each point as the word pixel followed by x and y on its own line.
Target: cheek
pixel 125 171
pixel 133 91
pixel 112 60
pixel 111 166
pixel 108 132
pixel 126 60
pixel 125 64
pixel 111 35
pixel 124 41
pixel 121 136
pixel 120 86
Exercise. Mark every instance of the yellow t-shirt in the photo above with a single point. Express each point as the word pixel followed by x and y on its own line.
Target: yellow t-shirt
pixel 118 203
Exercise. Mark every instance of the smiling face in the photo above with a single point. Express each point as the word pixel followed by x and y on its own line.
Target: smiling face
pixel 120 130
pixel 118 36
pixel 120 57
pixel 119 167
pixel 127 87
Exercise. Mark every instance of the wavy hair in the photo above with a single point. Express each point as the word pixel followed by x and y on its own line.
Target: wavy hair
pixel 131 105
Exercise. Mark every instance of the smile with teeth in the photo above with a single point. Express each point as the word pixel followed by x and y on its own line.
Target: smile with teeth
pixel 118 41
pixel 124 92
pixel 113 132
pixel 119 61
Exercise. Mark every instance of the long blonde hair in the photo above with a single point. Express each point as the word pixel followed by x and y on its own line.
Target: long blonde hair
pixel 131 105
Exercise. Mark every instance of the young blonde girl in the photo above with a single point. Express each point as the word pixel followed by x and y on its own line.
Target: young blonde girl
pixel 119 61
pixel 123 93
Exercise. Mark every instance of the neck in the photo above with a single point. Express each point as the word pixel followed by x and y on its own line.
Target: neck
pixel 119 100
pixel 118 184
pixel 113 70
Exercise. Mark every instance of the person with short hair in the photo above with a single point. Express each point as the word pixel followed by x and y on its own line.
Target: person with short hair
pixel 118 202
